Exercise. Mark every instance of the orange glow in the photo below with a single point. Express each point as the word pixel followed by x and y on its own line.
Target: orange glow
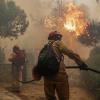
pixel 75 20
pixel 49 22
pixel 70 25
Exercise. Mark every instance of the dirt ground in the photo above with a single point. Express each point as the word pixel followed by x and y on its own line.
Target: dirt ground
pixel 34 91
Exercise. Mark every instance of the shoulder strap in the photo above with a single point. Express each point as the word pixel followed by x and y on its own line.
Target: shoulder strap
pixel 57 52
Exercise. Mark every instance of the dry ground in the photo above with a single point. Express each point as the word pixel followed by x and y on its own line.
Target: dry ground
pixel 34 91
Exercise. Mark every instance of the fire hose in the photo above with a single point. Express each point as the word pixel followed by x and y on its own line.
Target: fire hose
pixel 67 67
pixel 86 69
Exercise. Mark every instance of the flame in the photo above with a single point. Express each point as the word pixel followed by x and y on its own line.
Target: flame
pixel 75 19
pixel 70 25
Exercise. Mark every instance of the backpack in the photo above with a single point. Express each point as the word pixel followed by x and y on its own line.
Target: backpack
pixel 48 63
pixel 20 58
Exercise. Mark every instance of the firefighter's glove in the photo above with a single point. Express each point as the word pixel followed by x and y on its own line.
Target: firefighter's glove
pixel 83 66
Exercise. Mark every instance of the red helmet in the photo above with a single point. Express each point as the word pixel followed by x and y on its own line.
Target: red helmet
pixel 54 36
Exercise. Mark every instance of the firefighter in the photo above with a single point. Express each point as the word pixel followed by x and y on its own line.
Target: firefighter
pixel 17 59
pixel 59 83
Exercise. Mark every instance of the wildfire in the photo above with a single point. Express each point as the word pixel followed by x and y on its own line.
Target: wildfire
pixel 75 20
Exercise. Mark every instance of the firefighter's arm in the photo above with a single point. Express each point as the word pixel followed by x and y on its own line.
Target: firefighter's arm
pixel 72 55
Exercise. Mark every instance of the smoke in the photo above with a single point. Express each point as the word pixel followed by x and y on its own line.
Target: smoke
pixel 36 11
pixel 93 8
pixel 36 34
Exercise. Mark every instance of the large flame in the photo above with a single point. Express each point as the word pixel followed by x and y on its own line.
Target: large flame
pixel 70 24
pixel 75 20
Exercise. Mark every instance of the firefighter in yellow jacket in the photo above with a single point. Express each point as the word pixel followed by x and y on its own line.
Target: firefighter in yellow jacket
pixel 59 83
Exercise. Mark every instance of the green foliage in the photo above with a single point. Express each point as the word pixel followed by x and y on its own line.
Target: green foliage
pixel 12 19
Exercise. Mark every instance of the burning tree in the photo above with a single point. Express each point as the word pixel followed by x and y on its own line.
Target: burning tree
pixel 12 19
pixel 85 30
pixel 92 38
pixel 75 19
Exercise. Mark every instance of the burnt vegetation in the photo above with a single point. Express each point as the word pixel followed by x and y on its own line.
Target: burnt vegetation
pixel 92 34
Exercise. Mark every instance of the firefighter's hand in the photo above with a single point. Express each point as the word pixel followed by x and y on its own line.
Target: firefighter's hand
pixel 83 66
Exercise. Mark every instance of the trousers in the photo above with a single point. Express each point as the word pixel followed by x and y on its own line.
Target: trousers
pixel 16 76
pixel 57 86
